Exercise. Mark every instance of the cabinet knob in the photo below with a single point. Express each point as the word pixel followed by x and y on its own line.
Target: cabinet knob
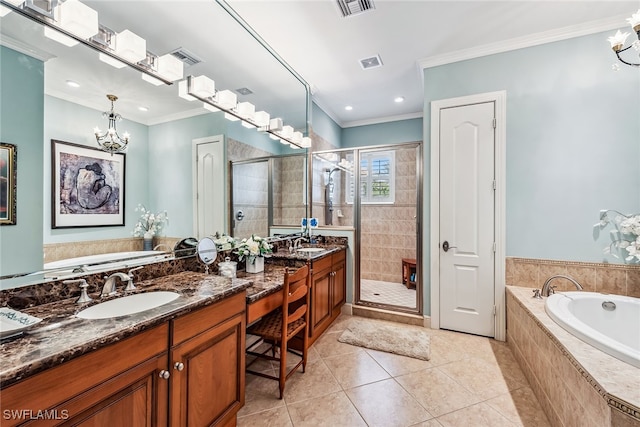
pixel 164 374
pixel 179 366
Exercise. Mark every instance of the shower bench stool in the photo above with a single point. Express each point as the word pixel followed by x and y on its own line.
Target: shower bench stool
pixel 409 272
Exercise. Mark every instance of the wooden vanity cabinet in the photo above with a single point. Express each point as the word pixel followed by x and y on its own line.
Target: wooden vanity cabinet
pixel 207 363
pixel 328 290
pixel 115 385
pixel 186 372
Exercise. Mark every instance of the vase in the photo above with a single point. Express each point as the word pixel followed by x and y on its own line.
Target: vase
pixel 148 242
pixel 255 264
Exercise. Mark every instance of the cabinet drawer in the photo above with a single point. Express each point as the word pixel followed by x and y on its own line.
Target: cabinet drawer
pixel 339 256
pixel 321 264
pixel 192 324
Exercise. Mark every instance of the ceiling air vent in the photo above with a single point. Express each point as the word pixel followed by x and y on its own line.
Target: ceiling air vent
pixel 353 7
pixel 185 56
pixel 244 91
pixel 372 62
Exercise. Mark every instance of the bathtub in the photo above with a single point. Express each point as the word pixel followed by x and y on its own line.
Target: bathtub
pixel 113 260
pixel 610 323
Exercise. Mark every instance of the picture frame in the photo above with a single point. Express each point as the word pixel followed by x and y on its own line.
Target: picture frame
pixel 87 186
pixel 8 183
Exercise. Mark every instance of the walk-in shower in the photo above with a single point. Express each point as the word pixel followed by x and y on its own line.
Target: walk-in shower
pixel 328 196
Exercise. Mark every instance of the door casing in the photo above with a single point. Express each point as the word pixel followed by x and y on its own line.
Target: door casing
pixel 499 98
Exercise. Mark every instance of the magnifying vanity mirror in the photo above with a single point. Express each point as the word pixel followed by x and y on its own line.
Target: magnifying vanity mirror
pixel 59 92
pixel 207 252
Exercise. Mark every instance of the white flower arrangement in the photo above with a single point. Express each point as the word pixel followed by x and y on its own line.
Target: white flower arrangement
pixel 626 235
pixel 149 224
pixel 224 242
pixel 253 247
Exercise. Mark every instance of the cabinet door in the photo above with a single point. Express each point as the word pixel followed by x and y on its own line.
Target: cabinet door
pixel 338 287
pixel 321 307
pixel 136 398
pixel 207 376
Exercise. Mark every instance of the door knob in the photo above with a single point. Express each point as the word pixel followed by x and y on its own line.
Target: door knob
pixel 446 247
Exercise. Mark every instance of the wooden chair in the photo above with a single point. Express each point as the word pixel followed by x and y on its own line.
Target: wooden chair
pixel 280 326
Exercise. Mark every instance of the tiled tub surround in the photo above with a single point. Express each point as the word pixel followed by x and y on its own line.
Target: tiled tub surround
pixel 59 251
pixel 576 384
pixel 42 347
pixel 604 278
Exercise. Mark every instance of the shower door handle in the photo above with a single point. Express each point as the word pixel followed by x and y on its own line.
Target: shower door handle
pixel 446 247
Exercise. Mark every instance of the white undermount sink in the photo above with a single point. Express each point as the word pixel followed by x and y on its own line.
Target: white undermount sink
pixel 309 250
pixel 130 304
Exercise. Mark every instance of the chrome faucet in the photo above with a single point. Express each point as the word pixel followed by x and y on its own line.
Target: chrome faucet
pixel 549 290
pixel 110 284
pixel 297 244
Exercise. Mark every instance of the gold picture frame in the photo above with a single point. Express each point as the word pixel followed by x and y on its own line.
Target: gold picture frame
pixel 8 186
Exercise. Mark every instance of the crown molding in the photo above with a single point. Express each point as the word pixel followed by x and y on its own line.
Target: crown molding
pixel 328 111
pixel 378 120
pixel 559 34
pixel 177 116
pixel 25 48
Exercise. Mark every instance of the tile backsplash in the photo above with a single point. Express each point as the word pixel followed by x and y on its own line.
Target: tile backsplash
pixel 619 279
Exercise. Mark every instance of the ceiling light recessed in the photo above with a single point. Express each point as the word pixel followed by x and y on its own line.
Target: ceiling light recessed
pixel 398 99
pixel 73 84
pixel 348 108
pixel 143 108
pixel 371 62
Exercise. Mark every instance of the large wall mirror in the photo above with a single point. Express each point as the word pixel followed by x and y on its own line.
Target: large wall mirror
pixel 41 103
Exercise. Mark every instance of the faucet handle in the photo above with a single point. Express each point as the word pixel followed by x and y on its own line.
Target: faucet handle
pixel 84 297
pixel 536 294
pixel 552 290
pixel 130 285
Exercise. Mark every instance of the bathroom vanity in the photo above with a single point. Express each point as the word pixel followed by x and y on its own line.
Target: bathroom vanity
pixel 146 369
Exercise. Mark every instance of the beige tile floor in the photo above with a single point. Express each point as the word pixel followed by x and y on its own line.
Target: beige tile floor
pixel 470 381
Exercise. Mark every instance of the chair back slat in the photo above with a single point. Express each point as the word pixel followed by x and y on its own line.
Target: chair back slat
pixel 298 293
pixel 296 314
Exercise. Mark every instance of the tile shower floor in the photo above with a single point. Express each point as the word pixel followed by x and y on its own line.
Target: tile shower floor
pixel 387 293
pixel 469 381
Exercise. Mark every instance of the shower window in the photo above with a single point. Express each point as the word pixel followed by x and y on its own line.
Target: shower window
pixel 377 184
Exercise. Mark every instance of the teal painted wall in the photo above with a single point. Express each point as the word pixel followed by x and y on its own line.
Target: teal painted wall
pixel 573 141
pixel 324 126
pixel 21 112
pixel 70 122
pixel 397 132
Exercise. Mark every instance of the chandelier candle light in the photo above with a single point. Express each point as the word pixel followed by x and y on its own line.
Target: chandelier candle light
pixel 110 141
pixel 618 40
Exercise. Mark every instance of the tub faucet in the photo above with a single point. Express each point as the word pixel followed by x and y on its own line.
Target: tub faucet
pixel 549 290
pixel 110 283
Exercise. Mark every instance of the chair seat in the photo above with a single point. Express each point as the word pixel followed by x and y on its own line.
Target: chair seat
pixel 270 327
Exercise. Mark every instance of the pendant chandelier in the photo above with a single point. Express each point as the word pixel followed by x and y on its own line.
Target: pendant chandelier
pixel 110 141
pixel 618 40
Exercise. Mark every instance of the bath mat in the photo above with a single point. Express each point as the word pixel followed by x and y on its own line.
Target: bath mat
pixel 405 340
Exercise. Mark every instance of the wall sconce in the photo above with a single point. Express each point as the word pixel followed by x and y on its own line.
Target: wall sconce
pixel 130 46
pixel 618 40
pixel 77 18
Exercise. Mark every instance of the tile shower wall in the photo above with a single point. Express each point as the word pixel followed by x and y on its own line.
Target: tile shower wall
pixel 388 232
pixel 289 199
pixel 616 279
pixel 252 197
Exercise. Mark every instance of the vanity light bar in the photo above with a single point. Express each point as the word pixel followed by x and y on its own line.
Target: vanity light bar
pixel 79 21
pixel 226 101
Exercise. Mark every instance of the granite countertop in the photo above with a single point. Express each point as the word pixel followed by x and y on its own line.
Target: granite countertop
pixel 62 336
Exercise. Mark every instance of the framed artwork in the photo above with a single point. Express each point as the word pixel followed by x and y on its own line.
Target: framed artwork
pixel 87 186
pixel 8 175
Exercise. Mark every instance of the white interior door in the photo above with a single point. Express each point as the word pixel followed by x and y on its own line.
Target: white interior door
pixel 209 182
pixel 467 238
